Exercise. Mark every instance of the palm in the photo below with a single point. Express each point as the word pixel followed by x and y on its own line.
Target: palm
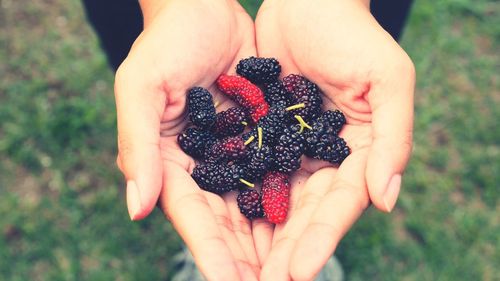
pixel 330 49
pixel 207 222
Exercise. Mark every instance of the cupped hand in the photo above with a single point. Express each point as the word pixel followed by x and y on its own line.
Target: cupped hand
pixel 363 72
pixel 185 43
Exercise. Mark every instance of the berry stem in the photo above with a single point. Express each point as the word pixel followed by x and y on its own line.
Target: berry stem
pixel 249 140
pixel 296 106
pixel 302 123
pixel 249 184
pixel 244 123
pixel 259 134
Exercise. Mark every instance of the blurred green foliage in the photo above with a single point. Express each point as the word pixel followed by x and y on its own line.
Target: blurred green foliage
pixel 61 197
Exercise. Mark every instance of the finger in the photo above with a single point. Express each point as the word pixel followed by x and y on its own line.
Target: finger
pixel 262 232
pixel 265 232
pixel 138 107
pixel 312 191
pixel 391 101
pixel 190 213
pixel 338 209
pixel 242 229
pixel 297 184
pixel 227 228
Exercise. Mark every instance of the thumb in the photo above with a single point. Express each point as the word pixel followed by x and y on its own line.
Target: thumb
pixel 391 101
pixel 139 105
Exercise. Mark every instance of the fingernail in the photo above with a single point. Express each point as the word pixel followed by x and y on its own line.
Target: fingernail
pixel 133 199
pixel 391 193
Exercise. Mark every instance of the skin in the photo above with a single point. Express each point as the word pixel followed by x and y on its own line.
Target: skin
pixel 185 43
pixel 364 73
pixel 339 46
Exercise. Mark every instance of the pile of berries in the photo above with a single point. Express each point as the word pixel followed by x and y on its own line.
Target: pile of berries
pixel 260 143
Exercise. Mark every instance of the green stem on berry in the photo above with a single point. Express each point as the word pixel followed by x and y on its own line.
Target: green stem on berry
pixel 249 140
pixel 244 123
pixel 302 123
pixel 259 134
pixel 297 106
pixel 249 184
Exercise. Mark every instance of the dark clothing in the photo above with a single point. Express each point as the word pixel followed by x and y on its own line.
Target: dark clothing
pixel 119 22
pixel 391 15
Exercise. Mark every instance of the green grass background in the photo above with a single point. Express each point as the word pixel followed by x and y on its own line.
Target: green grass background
pixel 62 207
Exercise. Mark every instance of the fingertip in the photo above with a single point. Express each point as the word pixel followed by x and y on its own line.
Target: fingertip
pixel 142 213
pixel 392 104
pixel 142 197
pixel 376 192
pixel 133 200
pixel 383 173
pixel 383 186
pixel 392 192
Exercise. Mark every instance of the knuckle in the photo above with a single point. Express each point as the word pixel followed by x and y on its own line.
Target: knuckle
pixel 284 241
pixel 242 226
pixel 224 222
pixel 119 163
pixel 358 195
pixel 122 74
pixel 215 239
pixel 407 149
pixel 308 199
pixel 407 141
pixel 404 143
pixel 125 147
pixel 409 66
pixel 188 202
pixel 325 229
pixel 405 65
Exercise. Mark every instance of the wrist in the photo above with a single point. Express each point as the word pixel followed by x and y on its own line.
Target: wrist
pixel 150 8
pixel 366 3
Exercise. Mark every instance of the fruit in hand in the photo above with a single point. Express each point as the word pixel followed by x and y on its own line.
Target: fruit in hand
pixel 259 70
pixel 250 203
pixel 275 196
pixel 201 107
pixel 259 145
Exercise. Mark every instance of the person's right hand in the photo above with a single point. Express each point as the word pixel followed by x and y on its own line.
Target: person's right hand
pixel 185 43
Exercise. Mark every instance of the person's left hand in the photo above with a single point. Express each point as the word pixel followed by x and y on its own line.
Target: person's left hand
pixel 363 72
